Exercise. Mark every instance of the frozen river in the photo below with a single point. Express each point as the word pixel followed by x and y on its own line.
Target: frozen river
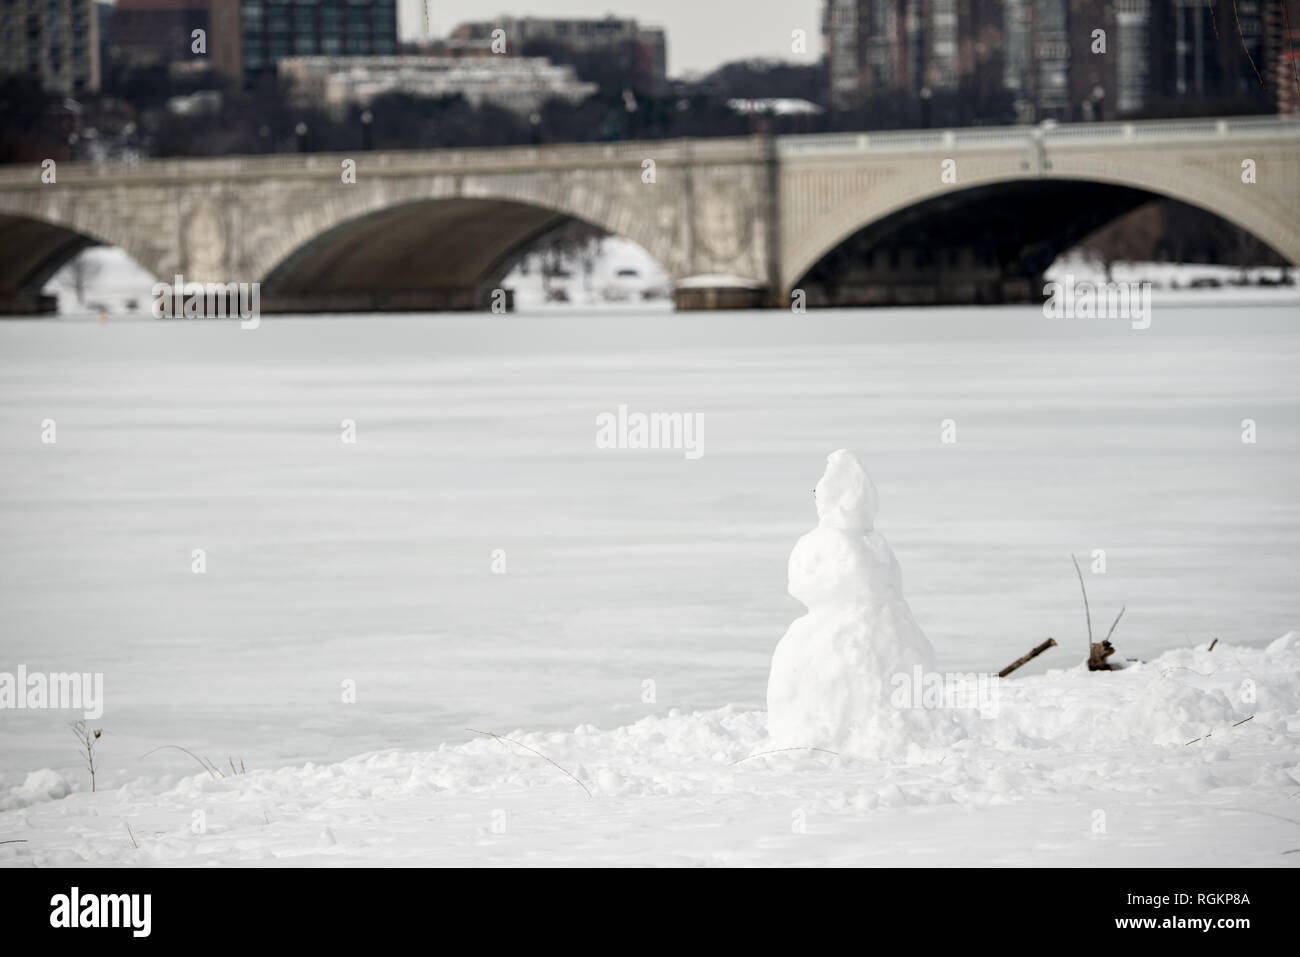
pixel 372 563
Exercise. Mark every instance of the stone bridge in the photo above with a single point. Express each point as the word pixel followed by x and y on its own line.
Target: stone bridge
pixel 969 215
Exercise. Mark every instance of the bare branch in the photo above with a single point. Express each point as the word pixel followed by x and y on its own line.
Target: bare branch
pixel 780 750
pixel 502 737
pixel 1123 609
pixel 1087 612
pixel 205 765
pixel 1049 643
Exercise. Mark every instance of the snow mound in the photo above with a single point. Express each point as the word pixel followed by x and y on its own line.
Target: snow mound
pixel 1284 644
pixel 1205 738
pixel 42 785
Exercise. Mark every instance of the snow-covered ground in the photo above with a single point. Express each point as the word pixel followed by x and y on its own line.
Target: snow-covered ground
pixel 1189 284
pixel 623 274
pixel 111 282
pixel 643 592
pixel 1153 765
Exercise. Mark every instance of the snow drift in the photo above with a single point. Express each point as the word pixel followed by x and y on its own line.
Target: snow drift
pixel 1158 748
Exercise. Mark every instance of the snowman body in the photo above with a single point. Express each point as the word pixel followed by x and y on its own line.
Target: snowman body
pixel 834 670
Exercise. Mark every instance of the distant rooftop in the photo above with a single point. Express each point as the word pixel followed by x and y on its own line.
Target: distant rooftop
pixel 777 106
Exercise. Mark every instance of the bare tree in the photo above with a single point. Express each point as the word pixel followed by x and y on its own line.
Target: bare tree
pixel 575 241
pixel 82 271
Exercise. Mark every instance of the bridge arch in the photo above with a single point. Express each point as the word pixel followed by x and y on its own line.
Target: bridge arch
pixel 883 200
pixel 1082 203
pixel 441 252
pixel 988 243
pixel 37 240
pixel 275 218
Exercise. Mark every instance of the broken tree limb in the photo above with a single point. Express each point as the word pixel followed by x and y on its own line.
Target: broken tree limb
pixel 1049 643
pixel 1101 650
pixel 1098 651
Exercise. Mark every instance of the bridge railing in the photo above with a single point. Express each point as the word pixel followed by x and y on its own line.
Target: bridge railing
pixel 1227 128
pixel 1018 136
pixel 448 161
pixel 738 149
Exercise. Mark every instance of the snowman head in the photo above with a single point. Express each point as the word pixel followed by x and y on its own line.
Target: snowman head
pixel 846 498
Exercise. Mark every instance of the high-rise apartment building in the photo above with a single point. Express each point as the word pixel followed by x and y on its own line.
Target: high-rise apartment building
pixel 941 45
pixel 1062 59
pixel 877 48
pixel 145 32
pixel 249 36
pixel 56 41
pixel 842 40
pixel 1050 26
pixel 1196 64
pixel 881 49
pixel 1018 57
pixel 1131 43
pixel 1282 63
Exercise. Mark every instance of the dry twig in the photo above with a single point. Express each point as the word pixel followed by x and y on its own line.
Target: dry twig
pixel 87 739
pixel 502 737
pixel 1049 643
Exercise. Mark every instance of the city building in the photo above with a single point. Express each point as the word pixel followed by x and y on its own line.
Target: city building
pixel 103 20
pixel 842 39
pixel 56 41
pixel 641 52
pixel 881 49
pixel 980 55
pixel 250 36
pixel 1050 32
pixel 1219 53
pixel 1066 60
pixel 147 32
pixel 521 84
pixel 941 46
pixel 1092 74
pixel 1282 63
pixel 877 48
pixel 1018 57
pixel 1132 41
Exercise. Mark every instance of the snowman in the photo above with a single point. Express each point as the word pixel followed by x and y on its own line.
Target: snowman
pixel 833 672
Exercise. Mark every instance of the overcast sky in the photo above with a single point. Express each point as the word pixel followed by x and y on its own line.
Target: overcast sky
pixel 701 33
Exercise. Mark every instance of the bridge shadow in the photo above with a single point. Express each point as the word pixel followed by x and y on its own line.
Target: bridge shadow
pixel 428 255
pixel 31 252
pixel 983 244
